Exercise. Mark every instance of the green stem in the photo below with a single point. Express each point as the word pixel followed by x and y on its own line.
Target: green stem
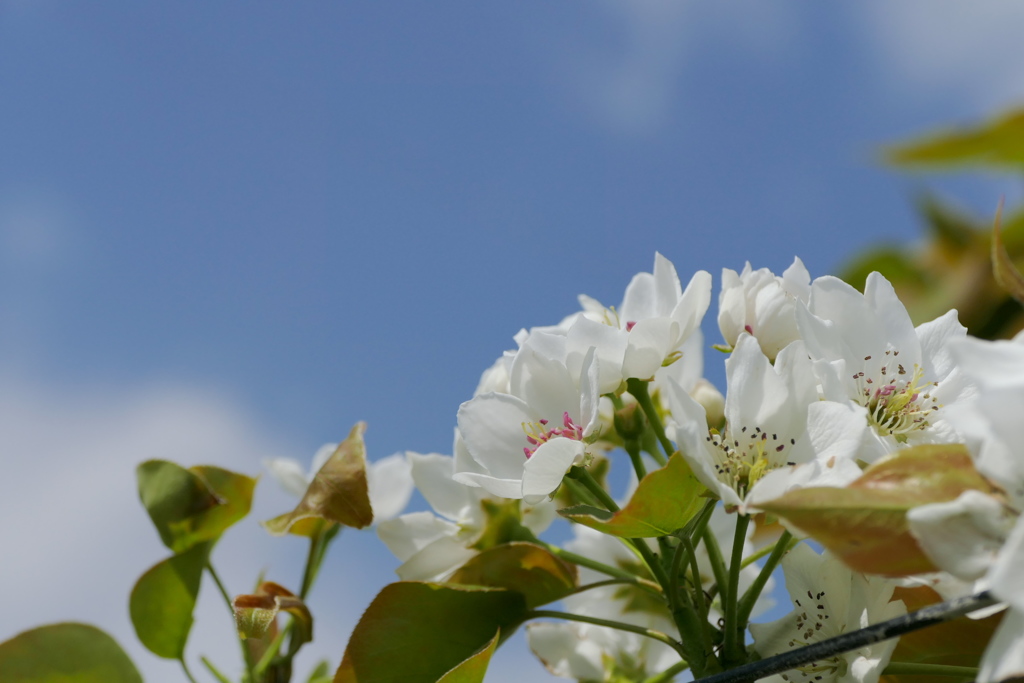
pixel 188 674
pixel 584 477
pixel 684 615
pixel 638 388
pixel 579 491
pixel 754 592
pixel 733 647
pixel 600 584
pixel 716 560
pixel 673 573
pixel 231 608
pixel 770 548
pixel 650 633
pixel 272 650
pixel 700 522
pixel 632 447
pixel 603 568
pixel 617 402
pixel 667 675
pixel 913 669
pixel 698 590
pixel 213 670
pixel 309 571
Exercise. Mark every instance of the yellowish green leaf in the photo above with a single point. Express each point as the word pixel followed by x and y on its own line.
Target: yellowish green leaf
pixel 163 599
pixel 865 523
pixel 996 144
pixel 521 567
pixel 418 632
pixel 1003 268
pixel 337 494
pixel 190 506
pixel 473 669
pixel 65 653
pixel 663 503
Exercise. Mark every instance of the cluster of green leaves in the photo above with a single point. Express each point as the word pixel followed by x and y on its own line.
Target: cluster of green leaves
pixel 191 508
pixel 953 268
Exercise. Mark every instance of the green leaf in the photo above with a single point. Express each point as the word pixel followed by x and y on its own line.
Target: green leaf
pixel 255 614
pixel 65 653
pixel 664 502
pixel 521 567
pixel 473 669
pixel 322 672
pixel 162 601
pixel 865 523
pixel 417 632
pixel 191 506
pixel 337 494
pixel 1003 268
pixel 997 144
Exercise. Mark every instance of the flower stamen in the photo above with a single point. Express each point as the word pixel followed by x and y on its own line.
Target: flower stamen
pixel 537 433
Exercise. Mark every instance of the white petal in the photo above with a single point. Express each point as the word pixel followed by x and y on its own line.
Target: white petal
pixel 436 561
pixel 897 328
pixel 640 300
pixel 323 454
pixel 667 289
pixel 935 337
pixel 389 484
pixel 1005 576
pixel 797 281
pixel 408 534
pixel 590 394
pixel 962 536
pixel 835 429
pixel 544 384
pixel 565 652
pixel 464 461
pixel 994 364
pixel 433 476
pixel 610 344
pixel 503 488
pixel 289 474
pixel 537 518
pixel 650 342
pixel 543 472
pixel 1004 657
pixel 492 427
pixel 691 307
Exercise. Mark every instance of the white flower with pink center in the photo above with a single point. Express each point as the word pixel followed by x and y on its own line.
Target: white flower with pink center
pixel 521 443
pixel 647 331
pixel 868 352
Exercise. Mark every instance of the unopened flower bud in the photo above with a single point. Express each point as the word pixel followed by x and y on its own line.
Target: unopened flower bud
pixel 706 394
pixel 629 422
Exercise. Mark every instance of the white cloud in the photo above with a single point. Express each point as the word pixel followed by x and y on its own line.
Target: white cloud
pixel 948 48
pixel 73 535
pixel 626 65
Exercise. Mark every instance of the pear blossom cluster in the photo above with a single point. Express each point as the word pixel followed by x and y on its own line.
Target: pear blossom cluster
pixel 822 382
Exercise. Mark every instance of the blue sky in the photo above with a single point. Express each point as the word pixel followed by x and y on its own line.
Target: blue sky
pixel 230 230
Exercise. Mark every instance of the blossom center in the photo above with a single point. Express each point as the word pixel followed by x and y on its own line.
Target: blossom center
pixel 538 433
pixel 743 458
pixel 898 400
pixel 812 622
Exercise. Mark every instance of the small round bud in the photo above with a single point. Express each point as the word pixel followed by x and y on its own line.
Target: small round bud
pixel 706 394
pixel 630 422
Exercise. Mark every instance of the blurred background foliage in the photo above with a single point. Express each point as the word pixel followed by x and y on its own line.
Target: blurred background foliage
pixel 951 267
